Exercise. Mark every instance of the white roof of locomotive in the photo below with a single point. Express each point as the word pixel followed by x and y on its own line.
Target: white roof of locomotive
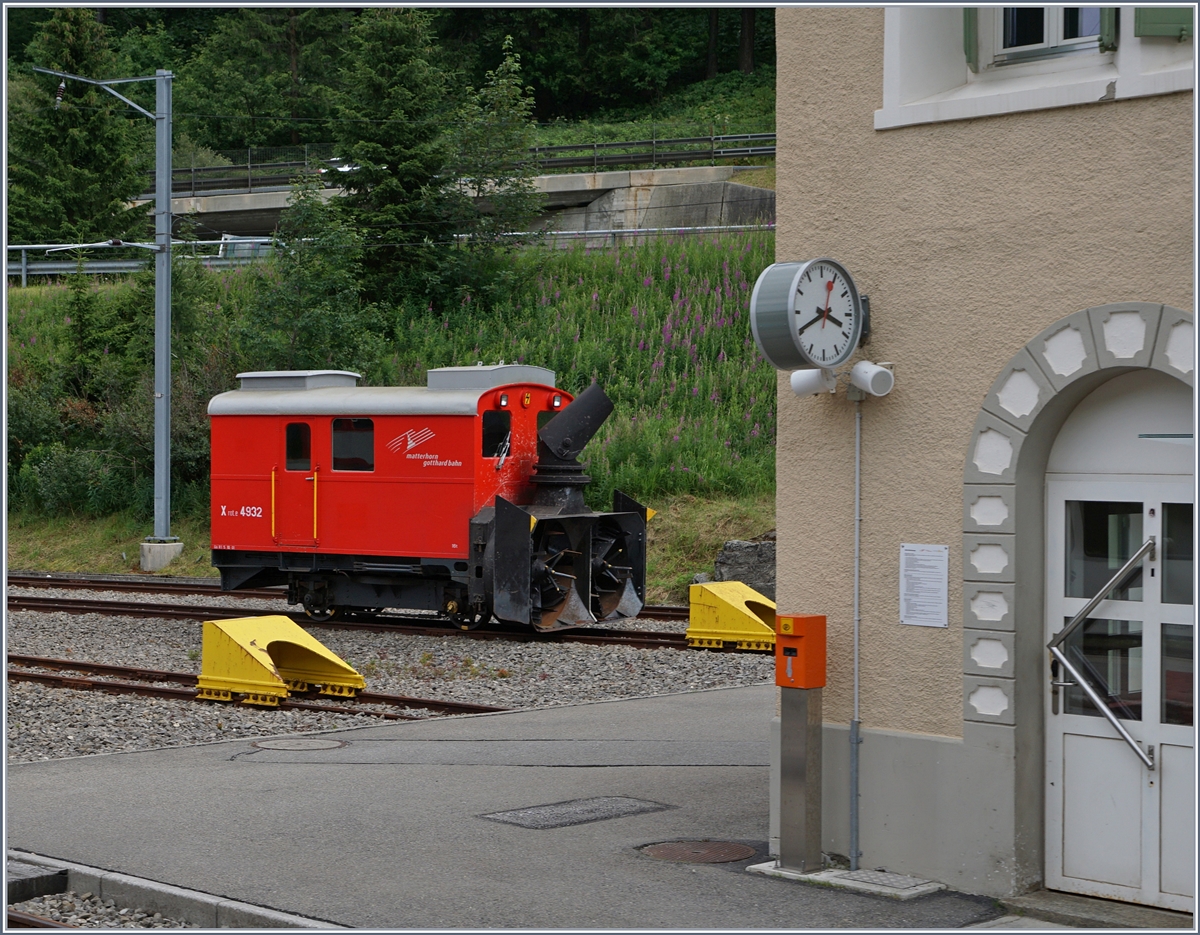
pixel 453 391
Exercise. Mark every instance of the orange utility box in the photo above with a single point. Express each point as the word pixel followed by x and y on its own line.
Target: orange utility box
pixel 800 650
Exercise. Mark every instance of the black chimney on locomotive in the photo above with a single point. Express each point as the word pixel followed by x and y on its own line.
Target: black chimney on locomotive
pixel 558 474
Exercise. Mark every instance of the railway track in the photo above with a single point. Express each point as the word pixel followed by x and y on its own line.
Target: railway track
pixel 25 920
pixel 380 623
pixel 209 588
pixel 181 686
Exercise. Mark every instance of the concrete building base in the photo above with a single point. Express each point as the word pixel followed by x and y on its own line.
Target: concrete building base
pixel 157 555
pixel 1092 913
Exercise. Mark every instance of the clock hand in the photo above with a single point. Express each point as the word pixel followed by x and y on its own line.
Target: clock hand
pixel 811 322
pixel 822 316
pixel 828 293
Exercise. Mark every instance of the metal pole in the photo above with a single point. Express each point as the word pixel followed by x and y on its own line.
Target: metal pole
pixel 24 268
pixel 855 741
pixel 162 309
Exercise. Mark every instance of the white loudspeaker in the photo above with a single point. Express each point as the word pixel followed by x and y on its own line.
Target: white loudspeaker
pixel 871 378
pixel 813 382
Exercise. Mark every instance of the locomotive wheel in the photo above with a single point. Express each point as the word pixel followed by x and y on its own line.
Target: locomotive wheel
pixel 469 621
pixel 320 616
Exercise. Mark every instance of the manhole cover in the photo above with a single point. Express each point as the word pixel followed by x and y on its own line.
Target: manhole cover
pixel 300 743
pixel 699 852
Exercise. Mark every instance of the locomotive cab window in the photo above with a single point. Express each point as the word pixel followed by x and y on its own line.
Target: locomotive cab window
pixel 496 426
pixel 298 444
pixel 353 445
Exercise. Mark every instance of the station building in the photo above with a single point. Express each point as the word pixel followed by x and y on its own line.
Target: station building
pixel 1014 190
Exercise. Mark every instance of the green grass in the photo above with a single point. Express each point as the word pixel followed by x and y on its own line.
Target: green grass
pixel 108 545
pixel 664 327
pixel 729 103
pixel 758 178
pixel 688 532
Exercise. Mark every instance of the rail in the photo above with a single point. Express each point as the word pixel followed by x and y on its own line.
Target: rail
pixel 250 177
pixel 148 683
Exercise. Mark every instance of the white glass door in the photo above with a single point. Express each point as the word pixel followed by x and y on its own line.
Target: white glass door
pixel 1115 827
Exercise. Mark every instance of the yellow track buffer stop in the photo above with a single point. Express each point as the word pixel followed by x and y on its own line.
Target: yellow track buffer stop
pixel 266 658
pixel 729 614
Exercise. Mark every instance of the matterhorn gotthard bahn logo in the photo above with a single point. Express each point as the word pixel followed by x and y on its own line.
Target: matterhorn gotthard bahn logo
pixel 413 438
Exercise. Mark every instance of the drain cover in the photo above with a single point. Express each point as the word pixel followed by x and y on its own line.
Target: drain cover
pixel 883 878
pixel 699 852
pixel 300 743
pixel 576 812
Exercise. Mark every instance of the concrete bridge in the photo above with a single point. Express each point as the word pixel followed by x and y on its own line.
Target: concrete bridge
pixel 699 196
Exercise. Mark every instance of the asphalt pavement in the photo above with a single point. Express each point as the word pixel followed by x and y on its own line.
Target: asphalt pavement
pixel 404 825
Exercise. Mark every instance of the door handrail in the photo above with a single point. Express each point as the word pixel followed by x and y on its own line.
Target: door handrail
pixel 1054 647
pixel 1135 559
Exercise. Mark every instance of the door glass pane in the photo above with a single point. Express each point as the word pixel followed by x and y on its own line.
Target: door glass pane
pixel 1109 654
pixel 1081 21
pixel 1024 26
pixel 299 447
pixel 1101 536
pixel 1177 673
pixel 1177 553
pixel 353 445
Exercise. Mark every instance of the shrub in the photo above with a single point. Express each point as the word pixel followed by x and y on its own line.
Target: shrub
pixel 72 481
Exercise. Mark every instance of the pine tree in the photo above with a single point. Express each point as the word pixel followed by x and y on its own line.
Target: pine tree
pixel 75 167
pixel 491 181
pixel 391 114
pixel 263 77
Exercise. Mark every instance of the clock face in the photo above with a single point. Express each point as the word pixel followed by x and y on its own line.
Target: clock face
pixel 826 314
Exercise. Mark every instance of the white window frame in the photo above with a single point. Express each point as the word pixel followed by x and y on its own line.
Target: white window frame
pixel 1052 42
pixel 926 78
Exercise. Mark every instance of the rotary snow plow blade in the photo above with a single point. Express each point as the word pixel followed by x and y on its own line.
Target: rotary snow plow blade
pixel 266 658
pixel 559 571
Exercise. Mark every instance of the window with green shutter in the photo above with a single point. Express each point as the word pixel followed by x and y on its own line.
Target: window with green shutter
pixel 1175 22
pixel 1009 35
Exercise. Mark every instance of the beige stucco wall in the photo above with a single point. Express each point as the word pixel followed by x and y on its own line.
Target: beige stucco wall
pixel 970 237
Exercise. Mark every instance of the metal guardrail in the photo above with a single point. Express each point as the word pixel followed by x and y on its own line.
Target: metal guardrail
pixel 24 268
pixel 250 177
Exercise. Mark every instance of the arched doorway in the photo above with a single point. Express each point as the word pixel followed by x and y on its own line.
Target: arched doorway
pixel 1120 811
pixel 1007 559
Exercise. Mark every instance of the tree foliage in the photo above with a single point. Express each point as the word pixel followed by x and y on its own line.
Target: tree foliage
pixel 265 76
pixel 584 60
pixel 308 312
pixel 75 167
pixel 392 111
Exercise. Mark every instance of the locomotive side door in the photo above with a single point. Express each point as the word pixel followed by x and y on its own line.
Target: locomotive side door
pixel 296 485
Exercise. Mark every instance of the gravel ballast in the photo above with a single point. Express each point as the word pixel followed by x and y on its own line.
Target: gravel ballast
pixel 85 910
pixel 49 723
